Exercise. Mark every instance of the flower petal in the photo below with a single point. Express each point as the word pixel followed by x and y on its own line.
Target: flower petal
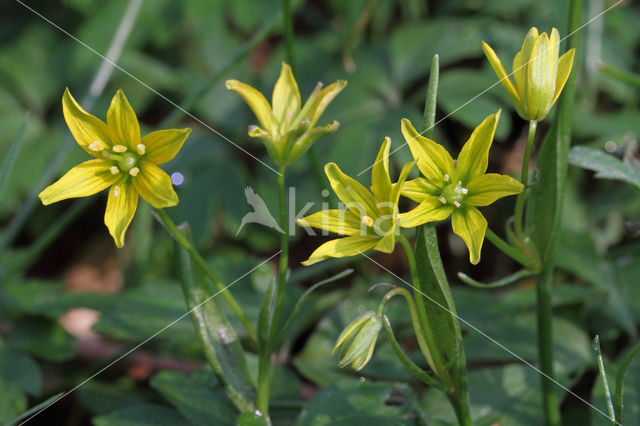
pixel 418 189
pixel 474 155
pixel 83 180
pixel 154 185
pixel 387 243
pixel 541 79
pixel 286 98
pixel 123 122
pixel 380 180
pixel 256 102
pixel 342 222
pixel 486 189
pixel 351 192
pixel 469 224
pixel 564 70
pixel 430 209
pixel 397 187
pixel 121 207
pixel 432 158
pixel 501 73
pixel 162 145
pixel 521 62
pixel 320 100
pixel 342 247
pixel 303 143
pixel 84 127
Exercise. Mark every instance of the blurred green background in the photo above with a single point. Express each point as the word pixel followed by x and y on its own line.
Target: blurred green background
pixel 70 302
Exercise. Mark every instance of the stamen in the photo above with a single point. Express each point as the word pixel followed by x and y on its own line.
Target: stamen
pixel 367 221
pixel 446 177
pixel 141 148
pixel 114 170
pixel 96 146
pixel 465 191
pixel 443 200
pixel 116 191
pixel 134 171
pixel 457 204
pixel 119 148
pixel 459 182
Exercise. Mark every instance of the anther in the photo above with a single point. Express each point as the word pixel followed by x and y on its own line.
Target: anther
pixel 443 200
pixel 141 148
pixel 134 171
pixel 464 191
pixel 457 204
pixel 367 221
pixel 116 191
pixel 459 182
pixel 114 170
pixel 96 146
pixel 119 148
pixel 446 177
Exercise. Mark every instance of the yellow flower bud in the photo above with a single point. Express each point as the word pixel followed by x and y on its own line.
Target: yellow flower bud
pixel 358 340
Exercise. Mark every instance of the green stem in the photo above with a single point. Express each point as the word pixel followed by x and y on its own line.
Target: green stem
pixel 264 374
pixel 622 372
pixel 288 33
pixel 524 178
pixel 173 230
pixel 545 345
pixel 437 365
pixel 509 250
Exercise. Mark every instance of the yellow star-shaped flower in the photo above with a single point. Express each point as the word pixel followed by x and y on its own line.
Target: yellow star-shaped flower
pixel 371 218
pixel 123 160
pixel 455 188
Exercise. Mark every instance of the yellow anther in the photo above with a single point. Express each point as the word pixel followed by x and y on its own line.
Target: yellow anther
pixel 114 170
pixel 141 148
pixel 96 146
pixel 119 148
pixel 443 200
pixel 459 182
pixel 465 191
pixel 446 177
pixel 367 221
pixel 134 171
pixel 116 191
pixel 457 204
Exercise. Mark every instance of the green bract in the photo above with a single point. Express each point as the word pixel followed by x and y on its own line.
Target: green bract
pixel 455 188
pixel 358 340
pixel 538 74
pixel 286 126
pixel 370 220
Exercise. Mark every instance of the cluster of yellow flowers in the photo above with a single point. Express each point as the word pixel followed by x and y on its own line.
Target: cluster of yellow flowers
pixel 447 188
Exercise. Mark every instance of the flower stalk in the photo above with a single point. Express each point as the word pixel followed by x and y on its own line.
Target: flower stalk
pixel 524 179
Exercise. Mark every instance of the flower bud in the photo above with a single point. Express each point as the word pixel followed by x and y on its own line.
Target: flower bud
pixel 358 340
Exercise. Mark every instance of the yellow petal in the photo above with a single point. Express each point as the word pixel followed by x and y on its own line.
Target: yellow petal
pixel 84 127
pixel 303 143
pixel 397 187
pixel 501 73
pixel 286 98
pixel 342 222
pixel 386 244
pixel 564 70
pixel 469 224
pixel 154 185
pixel 432 158
pixel 319 100
pixel 121 206
pixel 123 122
pixel 380 180
pixel 521 62
pixel 162 145
pixel 256 102
pixel 431 209
pixel 474 155
pixel 351 192
pixel 342 247
pixel 486 189
pixel 541 79
pixel 83 180
pixel 418 189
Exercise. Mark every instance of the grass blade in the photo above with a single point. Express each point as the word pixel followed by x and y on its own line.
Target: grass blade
pixel 622 372
pixel 603 377
pixel 10 157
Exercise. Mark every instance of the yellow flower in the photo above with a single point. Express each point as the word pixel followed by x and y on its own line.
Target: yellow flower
pixel 370 220
pixel 122 160
pixel 287 126
pixel 455 188
pixel 538 74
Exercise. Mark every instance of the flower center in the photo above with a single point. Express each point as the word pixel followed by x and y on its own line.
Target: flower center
pixel 453 193
pixel 125 161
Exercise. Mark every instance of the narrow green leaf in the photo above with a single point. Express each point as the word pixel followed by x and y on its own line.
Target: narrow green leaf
pixel 10 158
pixel 622 372
pixel 605 165
pixel 265 317
pixel 219 341
pixel 603 377
pixel 36 408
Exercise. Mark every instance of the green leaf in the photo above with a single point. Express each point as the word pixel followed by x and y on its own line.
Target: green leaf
pixel 198 397
pixel 218 338
pixel 13 401
pixel 43 338
pixel 10 158
pixel 141 415
pixel 35 408
pixel 19 368
pixel 622 373
pixel 603 379
pixel 605 165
